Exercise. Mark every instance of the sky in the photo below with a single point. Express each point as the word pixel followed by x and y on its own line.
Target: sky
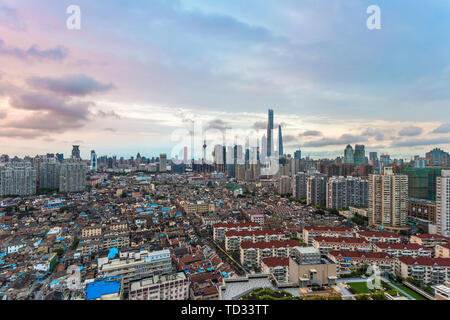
pixel 138 72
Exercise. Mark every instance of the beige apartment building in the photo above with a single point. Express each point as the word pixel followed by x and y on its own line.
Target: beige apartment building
pixel 442 251
pixel 388 200
pixel 308 268
pixel 198 207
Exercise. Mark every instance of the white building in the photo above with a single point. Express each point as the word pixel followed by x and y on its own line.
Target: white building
pixel 161 287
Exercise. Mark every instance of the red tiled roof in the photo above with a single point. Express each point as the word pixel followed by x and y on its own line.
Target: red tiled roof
pixel 424 261
pixel 379 234
pixel 431 236
pixel 275 262
pixel 244 233
pixel 333 229
pixel 400 246
pixel 237 225
pixel 270 244
pixel 358 254
pixel 341 240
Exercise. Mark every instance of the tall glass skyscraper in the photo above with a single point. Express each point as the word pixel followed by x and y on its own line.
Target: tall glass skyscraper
pixel 360 155
pixel 269 133
pixel 280 141
pixel 349 155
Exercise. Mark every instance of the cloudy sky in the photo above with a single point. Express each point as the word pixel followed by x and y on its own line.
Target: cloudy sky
pixel 138 71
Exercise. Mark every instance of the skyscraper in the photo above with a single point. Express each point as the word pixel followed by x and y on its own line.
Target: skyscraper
pixel 360 155
pixel 349 155
pixel 263 151
pixel 185 154
pixel 76 152
pixel 280 142
pixel 93 160
pixel 163 162
pixel 388 200
pixel 438 157
pixel 443 204
pixel 269 144
pixel 298 154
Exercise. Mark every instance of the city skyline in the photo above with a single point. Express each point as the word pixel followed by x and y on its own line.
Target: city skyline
pixel 121 88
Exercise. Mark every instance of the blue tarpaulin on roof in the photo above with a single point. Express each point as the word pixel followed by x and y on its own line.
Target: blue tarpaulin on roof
pixel 112 253
pixel 95 290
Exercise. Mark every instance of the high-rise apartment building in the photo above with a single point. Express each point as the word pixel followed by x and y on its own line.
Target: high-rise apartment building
pixel 388 200
pixel 72 176
pixel 343 192
pixel 316 190
pixel 443 204
pixel 49 172
pixel 17 179
pixel 300 185
pixel 284 186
